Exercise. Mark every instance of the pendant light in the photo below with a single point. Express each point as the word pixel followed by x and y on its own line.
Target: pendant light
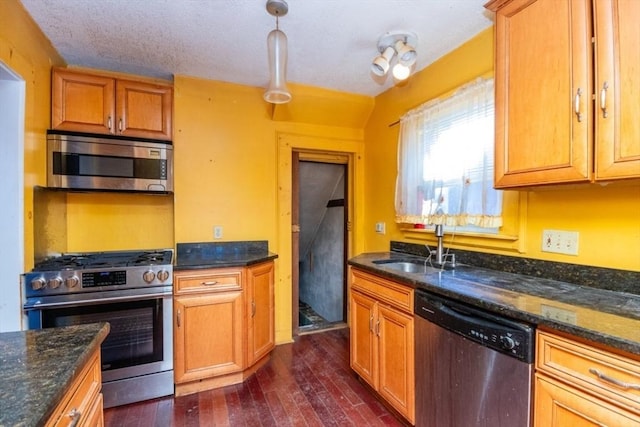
pixel 277 92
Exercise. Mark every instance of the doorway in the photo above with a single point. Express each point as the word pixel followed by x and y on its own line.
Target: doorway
pixel 12 101
pixel 322 218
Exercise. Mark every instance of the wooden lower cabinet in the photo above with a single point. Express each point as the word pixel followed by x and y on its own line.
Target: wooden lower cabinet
pixel 559 405
pixel 260 312
pixel 208 335
pixel 577 384
pixel 82 404
pixel 364 342
pixel 382 339
pixel 223 325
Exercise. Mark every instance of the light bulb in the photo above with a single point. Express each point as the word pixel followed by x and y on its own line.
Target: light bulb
pixel 401 72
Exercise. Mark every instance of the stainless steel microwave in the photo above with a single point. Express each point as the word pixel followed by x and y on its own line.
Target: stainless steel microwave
pixel 90 162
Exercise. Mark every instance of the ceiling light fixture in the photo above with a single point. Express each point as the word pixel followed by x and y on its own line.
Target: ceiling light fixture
pixel 398 43
pixel 277 92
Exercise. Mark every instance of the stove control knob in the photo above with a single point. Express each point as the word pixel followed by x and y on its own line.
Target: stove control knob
pixel 37 284
pixel 163 275
pixel 507 342
pixel 148 276
pixel 55 282
pixel 71 282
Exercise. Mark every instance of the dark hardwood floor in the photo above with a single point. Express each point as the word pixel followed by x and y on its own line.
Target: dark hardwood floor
pixel 306 383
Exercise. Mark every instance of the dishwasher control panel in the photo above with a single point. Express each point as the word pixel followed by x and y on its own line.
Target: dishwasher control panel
pixel 490 330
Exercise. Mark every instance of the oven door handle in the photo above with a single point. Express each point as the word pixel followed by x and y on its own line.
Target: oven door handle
pixel 94 301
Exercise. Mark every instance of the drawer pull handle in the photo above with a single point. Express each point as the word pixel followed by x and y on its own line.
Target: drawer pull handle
pixel 178 318
pixel 74 414
pixel 614 381
pixel 211 283
pixel 253 308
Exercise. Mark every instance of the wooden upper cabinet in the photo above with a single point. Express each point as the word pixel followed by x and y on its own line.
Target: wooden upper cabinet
pixel 617 86
pixel 93 103
pixel 144 109
pixel 82 102
pixel 542 62
pixel 545 77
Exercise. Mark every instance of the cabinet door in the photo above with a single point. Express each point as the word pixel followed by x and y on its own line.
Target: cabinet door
pixel 558 405
pixel 543 92
pixel 396 353
pixel 364 343
pixel 617 88
pixel 260 312
pixel 208 335
pixel 144 109
pixel 95 417
pixel 82 102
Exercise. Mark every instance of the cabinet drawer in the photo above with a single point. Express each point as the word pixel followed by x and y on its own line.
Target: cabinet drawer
pixel 80 399
pixel 212 280
pixel 605 374
pixel 384 290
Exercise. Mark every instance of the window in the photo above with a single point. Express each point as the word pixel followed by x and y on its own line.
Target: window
pixel 445 162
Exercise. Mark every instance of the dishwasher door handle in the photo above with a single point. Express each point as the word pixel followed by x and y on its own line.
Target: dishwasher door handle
pixel 469 317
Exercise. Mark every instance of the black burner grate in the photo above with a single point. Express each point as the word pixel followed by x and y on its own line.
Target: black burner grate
pixel 97 260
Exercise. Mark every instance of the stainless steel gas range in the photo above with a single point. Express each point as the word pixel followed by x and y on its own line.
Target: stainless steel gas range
pixel 132 290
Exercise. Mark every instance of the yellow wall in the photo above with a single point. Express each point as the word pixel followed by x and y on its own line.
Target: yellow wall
pixel 607 217
pixel 25 50
pixel 232 166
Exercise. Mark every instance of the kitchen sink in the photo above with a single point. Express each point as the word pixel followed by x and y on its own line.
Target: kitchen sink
pixel 416 266
pixel 407 267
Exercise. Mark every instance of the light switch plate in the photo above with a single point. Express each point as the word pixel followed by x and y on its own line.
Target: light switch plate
pixel 560 242
pixel 217 232
pixel 380 227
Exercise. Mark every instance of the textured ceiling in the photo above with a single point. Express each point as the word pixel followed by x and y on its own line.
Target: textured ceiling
pixel 331 42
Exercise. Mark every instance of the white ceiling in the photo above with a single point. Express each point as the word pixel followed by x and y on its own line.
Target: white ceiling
pixel 331 42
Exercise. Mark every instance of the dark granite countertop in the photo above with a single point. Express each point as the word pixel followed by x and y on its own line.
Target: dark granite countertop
pixel 203 255
pixel 37 368
pixel 599 315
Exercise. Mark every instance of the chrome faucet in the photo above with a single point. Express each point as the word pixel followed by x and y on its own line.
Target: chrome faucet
pixel 442 260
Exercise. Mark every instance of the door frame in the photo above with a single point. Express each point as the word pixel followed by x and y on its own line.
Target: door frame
pixel 12 126
pixel 323 148
pixel 323 158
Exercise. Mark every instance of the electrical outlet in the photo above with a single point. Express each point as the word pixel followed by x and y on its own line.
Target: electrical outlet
pixel 559 314
pixel 217 232
pixel 560 242
pixel 380 227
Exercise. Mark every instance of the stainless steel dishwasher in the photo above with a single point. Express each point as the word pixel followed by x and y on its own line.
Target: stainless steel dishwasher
pixel 473 368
